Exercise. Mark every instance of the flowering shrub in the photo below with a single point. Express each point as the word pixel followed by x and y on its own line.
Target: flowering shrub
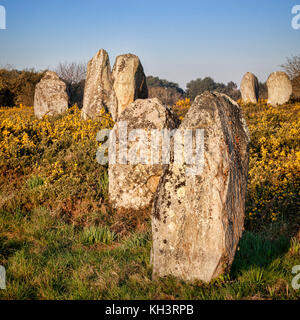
pixel 273 185
pixel 61 150
pixel 21 134
pixel 274 168
pixel 181 107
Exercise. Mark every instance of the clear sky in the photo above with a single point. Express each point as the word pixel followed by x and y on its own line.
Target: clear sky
pixel 179 40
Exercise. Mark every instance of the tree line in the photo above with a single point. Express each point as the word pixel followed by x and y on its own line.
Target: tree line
pixel 17 87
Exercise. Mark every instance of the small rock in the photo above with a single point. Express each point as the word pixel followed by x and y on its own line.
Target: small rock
pixel 249 88
pixel 50 97
pixel 279 88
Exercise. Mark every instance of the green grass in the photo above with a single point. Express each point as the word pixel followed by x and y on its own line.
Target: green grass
pixel 35 182
pixel 47 258
pixel 96 235
pixel 59 239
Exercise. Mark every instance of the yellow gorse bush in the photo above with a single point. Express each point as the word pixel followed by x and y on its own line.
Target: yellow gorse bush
pixel 274 168
pixel 21 132
pixel 181 107
pixel 63 147
pixel 273 185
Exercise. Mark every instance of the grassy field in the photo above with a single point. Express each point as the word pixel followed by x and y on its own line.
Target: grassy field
pixel 59 239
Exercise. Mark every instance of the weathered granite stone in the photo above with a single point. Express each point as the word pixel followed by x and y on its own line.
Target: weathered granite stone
pixel 249 88
pixel 132 186
pixel 50 96
pixel 129 83
pixel 279 88
pixel 197 220
pixel 98 86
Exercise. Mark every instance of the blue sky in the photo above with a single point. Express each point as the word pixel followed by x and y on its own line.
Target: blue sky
pixel 176 40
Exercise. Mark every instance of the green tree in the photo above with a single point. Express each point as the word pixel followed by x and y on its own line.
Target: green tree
pixel 18 87
pixel 263 90
pixel 166 91
pixel 198 86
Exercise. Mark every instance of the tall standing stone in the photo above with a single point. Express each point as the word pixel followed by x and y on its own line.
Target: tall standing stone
pixel 132 184
pixel 197 220
pixel 249 88
pixel 279 88
pixel 129 83
pixel 98 86
pixel 50 97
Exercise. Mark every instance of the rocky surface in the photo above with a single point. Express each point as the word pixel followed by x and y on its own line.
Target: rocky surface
pixel 197 221
pixel 98 86
pixel 132 186
pixel 279 88
pixel 50 97
pixel 249 88
pixel 129 83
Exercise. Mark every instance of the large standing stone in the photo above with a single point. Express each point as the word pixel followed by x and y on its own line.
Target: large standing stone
pixel 279 88
pixel 132 186
pixel 50 96
pixel 129 83
pixel 197 220
pixel 249 88
pixel 98 86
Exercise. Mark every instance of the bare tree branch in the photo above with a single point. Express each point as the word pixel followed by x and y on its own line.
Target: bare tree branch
pixel 71 72
pixel 292 66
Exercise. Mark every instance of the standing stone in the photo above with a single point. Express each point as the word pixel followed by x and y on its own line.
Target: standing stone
pixel 98 86
pixel 279 88
pixel 50 96
pixel 132 186
pixel 129 83
pixel 249 88
pixel 197 220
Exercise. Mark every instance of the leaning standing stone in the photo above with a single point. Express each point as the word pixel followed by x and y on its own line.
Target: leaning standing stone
pixel 133 181
pixel 249 88
pixel 98 86
pixel 129 83
pixel 279 88
pixel 197 220
pixel 50 96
